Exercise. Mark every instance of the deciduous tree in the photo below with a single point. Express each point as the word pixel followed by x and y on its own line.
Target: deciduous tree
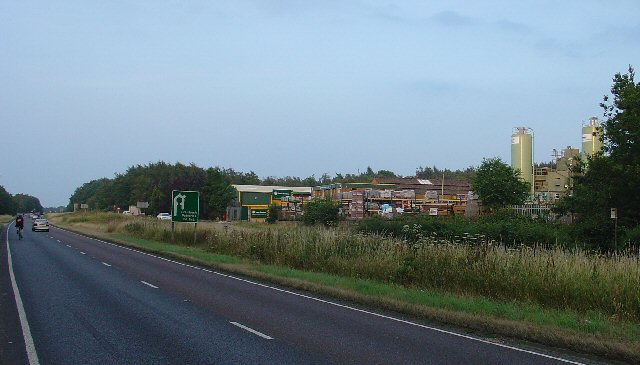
pixel 498 184
pixel 7 205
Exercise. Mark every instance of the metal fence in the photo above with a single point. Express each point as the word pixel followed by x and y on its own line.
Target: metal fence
pixel 534 211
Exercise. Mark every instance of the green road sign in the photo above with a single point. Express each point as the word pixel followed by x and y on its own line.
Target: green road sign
pixel 259 213
pixel 185 206
pixel 278 194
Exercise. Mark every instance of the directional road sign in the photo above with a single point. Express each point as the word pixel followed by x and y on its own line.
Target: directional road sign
pixel 185 206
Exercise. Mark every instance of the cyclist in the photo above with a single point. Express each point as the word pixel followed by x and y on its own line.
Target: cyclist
pixel 19 225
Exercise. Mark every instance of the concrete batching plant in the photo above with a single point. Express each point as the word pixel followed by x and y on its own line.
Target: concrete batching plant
pixel 550 183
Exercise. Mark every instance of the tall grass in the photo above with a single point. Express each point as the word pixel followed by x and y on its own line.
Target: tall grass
pixel 554 278
pixel 93 217
pixel 504 229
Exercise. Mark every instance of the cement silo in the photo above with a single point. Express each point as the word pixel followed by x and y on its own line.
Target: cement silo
pixel 522 153
pixel 591 143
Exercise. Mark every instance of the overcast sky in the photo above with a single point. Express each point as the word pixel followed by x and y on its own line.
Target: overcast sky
pixel 296 87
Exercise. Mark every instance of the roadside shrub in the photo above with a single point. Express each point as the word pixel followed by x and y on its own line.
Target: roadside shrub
pixel 135 228
pixel 631 237
pixel 272 214
pixel 595 233
pixel 323 211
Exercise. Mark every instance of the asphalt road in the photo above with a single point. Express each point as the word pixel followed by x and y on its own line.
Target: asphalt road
pixel 92 302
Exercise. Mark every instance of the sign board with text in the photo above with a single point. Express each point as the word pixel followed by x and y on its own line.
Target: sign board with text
pixel 278 194
pixel 185 206
pixel 259 213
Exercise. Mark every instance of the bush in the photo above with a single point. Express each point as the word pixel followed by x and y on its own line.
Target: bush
pixel 272 215
pixel 631 237
pixel 321 211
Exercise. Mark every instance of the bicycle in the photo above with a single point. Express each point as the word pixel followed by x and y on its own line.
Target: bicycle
pixel 19 233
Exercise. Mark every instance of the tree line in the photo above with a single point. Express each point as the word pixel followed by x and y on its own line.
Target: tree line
pixel 19 203
pixel 365 175
pixel 153 183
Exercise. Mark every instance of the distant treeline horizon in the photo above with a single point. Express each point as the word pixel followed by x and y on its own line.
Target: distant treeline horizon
pixel 18 203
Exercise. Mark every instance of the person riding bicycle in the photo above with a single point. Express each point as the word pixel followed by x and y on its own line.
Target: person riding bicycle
pixel 19 223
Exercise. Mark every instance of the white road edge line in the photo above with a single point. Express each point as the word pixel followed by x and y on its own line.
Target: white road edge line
pixel 252 331
pixel 401 320
pixel 32 355
pixel 363 311
pixel 105 264
pixel 147 284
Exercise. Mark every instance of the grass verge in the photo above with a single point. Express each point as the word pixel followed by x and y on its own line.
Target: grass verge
pixel 588 333
pixel 4 219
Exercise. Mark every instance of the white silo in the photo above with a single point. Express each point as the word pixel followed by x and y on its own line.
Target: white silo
pixel 522 153
pixel 591 134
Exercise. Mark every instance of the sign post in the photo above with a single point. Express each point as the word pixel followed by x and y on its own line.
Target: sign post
pixel 614 216
pixel 185 207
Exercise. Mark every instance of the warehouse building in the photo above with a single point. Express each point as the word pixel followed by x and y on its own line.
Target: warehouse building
pixel 252 202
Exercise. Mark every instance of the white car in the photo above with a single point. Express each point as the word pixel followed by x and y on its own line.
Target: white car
pixel 40 225
pixel 164 216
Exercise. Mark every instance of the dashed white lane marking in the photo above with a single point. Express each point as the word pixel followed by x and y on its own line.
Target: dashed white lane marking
pixel 105 264
pixel 351 308
pixel 32 355
pixel 147 284
pixel 58 241
pixel 82 253
pixel 252 330
pixel 69 246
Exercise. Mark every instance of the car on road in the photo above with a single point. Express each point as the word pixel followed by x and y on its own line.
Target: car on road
pixel 164 216
pixel 40 225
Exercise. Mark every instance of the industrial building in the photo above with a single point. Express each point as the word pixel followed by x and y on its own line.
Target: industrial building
pixel 252 203
pixel 551 184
